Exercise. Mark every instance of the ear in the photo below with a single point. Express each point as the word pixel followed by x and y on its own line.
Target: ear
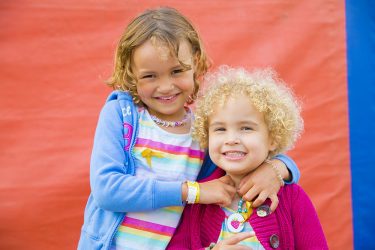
pixel 272 145
pixel 195 61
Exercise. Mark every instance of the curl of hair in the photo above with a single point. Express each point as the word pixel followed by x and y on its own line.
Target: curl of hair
pixel 166 25
pixel 268 94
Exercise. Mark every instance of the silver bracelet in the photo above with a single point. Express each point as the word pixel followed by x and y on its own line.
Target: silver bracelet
pixel 277 172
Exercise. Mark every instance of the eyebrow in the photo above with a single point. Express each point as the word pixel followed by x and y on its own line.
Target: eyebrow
pixel 149 71
pixel 215 123
pixel 141 72
pixel 218 123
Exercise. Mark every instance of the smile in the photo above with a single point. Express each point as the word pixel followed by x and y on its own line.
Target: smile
pixel 234 155
pixel 170 98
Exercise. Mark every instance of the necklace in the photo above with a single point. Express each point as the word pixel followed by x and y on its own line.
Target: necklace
pixel 235 222
pixel 172 123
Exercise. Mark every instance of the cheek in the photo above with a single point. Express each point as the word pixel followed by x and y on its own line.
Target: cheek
pixel 144 89
pixel 187 83
pixel 213 146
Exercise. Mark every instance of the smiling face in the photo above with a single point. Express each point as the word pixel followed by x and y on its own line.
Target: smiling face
pixel 163 84
pixel 238 140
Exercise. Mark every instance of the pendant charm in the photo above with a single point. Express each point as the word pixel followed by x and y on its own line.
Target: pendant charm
pixel 235 223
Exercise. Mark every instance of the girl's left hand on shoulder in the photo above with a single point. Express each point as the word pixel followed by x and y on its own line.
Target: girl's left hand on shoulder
pixel 260 184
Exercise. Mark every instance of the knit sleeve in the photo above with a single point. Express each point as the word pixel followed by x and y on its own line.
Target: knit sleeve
pixel 308 232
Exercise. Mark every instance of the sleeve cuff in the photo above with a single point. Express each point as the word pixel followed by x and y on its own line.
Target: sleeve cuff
pixel 167 193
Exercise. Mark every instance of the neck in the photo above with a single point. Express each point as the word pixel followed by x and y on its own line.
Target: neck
pixel 171 123
pixel 236 179
pixel 176 116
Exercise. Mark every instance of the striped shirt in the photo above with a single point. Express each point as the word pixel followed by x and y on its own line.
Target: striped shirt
pixel 164 156
pixel 252 242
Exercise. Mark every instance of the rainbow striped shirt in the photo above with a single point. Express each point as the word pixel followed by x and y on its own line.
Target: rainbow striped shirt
pixel 252 242
pixel 164 156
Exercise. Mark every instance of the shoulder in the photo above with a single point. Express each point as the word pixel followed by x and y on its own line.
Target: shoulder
pixel 291 189
pixel 119 95
pixel 292 192
pixel 118 103
pixel 295 198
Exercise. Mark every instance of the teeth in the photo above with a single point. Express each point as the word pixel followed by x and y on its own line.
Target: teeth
pixel 166 97
pixel 234 154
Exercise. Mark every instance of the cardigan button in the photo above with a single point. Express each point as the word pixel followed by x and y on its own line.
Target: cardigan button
pixel 263 211
pixel 274 241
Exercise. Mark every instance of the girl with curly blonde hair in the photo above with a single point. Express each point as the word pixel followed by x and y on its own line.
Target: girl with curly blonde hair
pixel 245 118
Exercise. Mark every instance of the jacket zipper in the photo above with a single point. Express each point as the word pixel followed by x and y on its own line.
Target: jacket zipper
pixel 132 143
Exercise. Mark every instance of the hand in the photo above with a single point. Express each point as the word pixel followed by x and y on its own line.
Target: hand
pixel 262 183
pixel 231 242
pixel 219 191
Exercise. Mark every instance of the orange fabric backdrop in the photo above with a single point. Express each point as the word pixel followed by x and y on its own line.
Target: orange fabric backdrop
pixel 55 56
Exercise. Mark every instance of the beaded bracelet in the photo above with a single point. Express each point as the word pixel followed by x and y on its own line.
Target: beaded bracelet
pixel 193 192
pixel 277 172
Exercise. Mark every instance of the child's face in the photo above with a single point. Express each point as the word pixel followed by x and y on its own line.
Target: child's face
pixel 163 84
pixel 238 137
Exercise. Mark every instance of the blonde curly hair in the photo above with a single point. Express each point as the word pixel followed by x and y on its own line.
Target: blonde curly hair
pixel 266 91
pixel 167 27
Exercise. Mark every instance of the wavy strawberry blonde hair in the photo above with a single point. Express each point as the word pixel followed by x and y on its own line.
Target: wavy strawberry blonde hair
pixel 269 95
pixel 167 27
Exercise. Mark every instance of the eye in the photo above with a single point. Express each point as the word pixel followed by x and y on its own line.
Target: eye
pixel 219 129
pixel 148 76
pixel 247 128
pixel 177 71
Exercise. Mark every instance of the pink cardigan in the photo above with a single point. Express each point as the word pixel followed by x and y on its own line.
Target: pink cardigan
pixel 295 223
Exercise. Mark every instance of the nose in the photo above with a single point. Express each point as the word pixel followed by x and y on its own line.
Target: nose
pixel 232 139
pixel 166 85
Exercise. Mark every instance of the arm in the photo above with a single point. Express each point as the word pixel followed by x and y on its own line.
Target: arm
pixel 219 191
pixel 112 182
pixel 263 182
pixel 115 188
pixel 232 242
pixel 289 169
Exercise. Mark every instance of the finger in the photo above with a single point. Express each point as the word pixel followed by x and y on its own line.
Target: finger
pixel 251 194
pixel 226 200
pixel 240 247
pixel 260 199
pixel 274 202
pixel 233 240
pixel 244 180
pixel 226 179
pixel 245 185
pixel 236 247
pixel 230 190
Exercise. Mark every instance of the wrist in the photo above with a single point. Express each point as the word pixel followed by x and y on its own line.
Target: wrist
pixel 277 171
pixel 193 193
pixel 184 191
pixel 282 168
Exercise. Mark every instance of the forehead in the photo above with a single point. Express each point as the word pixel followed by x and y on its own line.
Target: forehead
pixel 166 51
pixel 163 50
pixel 151 56
pixel 237 107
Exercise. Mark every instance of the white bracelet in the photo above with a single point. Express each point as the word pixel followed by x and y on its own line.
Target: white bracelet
pixel 277 172
pixel 193 192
